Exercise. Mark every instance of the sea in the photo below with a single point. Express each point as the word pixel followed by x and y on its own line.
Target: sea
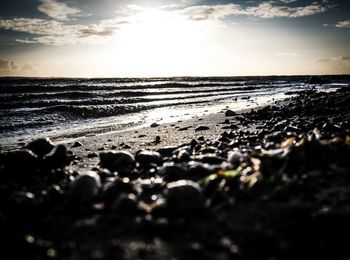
pixel 64 109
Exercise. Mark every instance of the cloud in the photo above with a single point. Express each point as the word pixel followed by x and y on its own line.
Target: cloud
pixel 57 10
pixel 209 12
pixel 59 32
pixel 264 10
pixel 340 60
pixel 288 1
pixel 13 66
pixel 51 32
pixel 343 24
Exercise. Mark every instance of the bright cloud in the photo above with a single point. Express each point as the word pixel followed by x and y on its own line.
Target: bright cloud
pixel 57 10
pixel 58 32
pixel 343 24
pixel 264 10
pixel 53 32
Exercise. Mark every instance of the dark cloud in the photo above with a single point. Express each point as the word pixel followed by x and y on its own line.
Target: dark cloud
pixel 11 66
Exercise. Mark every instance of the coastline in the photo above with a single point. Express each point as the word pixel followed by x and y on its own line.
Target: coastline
pixel 269 183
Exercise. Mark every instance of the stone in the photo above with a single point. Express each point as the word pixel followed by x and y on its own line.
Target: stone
pixel 41 146
pixel 145 157
pixel 77 144
pixel 85 188
pixel 117 160
pixel 154 125
pixel 184 196
pixel 202 128
pixel 229 112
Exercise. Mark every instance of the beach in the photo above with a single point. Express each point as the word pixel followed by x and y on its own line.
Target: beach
pixel 267 183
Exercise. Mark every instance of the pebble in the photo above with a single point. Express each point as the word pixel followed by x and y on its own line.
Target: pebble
pixel 77 144
pixel 112 190
pixel 167 151
pixel 202 128
pixel 59 158
pixel 154 124
pixel 85 188
pixel 230 112
pixel 145 157
pixel 184 196
pixel 173 173
pixel 117 160
pixel 41 146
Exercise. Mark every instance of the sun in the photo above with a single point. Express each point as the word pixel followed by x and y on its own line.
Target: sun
pixel 157 40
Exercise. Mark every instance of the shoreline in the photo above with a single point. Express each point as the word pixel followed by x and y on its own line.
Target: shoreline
pixel 272 183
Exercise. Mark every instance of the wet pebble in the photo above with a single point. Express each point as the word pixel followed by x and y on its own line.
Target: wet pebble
pixel 202 128
pixel 167 151
pixel 230 112
pixel 77 144
pixel 173 173
pixel 85 188
pixel 117 160
pixel 154 125
pixel 145 157
pixel 184 196
pixel 41 146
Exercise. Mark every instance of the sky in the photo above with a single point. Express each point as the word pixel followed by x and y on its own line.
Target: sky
pixel 140 38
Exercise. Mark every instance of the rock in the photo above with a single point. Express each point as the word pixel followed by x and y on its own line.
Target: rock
pixel 59 158
pixel 198 170
pixel 202 128
pixel 154 124
pixel 20 160
pixel 167 151
pixel 92 155
pixel 173 173
pixel 210 158
pixel 41 146
pixel 148 157
pixel 184 196
pixel 157 139
pixel 117 160
pixel 85 188
pixel 125 204
pixel 229 112
pixel 77 144
pixel 116 188
pixel 183 155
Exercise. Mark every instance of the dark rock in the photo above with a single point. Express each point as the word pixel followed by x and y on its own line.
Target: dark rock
pixel 148 157
pixel 125 204
pixel 184 196
pixel 77 144
pixel 173 173
pixel 167 151
pixel 154 124
pixel 59 158
pixel 85 188
pixel 157 139
pixel 210 158
pixel 117 160
pixel 116 188
pixel 183 155
pixel 20 160
pixel 41 146
pixel 92 155
pixel 230 113
pixel 202 128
